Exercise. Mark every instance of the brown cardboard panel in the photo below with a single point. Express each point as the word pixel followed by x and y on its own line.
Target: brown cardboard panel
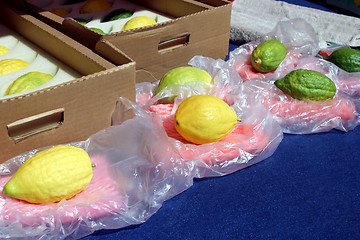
pixel 58 44
pixel 67 112
pixel 198 27
pixel 197 35
pixel 174 8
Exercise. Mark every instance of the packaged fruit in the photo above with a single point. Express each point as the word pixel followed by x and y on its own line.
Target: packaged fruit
pixel 28 81
pixel 202 119
pixel 51 175
pixel 347 59
pixel 12 65
pixel 307 84
pixel 98 30
pixel 3 50
pixel 95 6
pixel 137 22
pixel 268 55
pixel 183 75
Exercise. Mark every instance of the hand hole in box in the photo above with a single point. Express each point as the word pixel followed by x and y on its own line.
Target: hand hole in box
pixel 29 126
pixel 174 43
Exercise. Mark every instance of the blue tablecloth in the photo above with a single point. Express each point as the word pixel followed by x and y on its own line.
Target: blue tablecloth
pixel 308 189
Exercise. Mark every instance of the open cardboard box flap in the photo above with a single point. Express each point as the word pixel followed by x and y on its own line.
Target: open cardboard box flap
pixel 195 28
pixel 67 112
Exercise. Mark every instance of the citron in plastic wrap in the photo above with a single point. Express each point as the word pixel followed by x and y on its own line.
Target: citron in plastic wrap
pixel 268 55
pixel 202 119
pixel 347 59
pixel 3 50
pixel 137 22
pixel 95 6
pixel 51 175
pixel 307 84
pixel 28 81
pixel 182 75
pixel 12 65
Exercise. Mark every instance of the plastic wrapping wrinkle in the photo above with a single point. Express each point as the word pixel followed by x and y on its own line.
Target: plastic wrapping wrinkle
pixel 141 162
pixel 295 116
pixel 243 138
pixel 101 198
pixel 136 171
pixel 299 38
pixel 301 116
pixel 252 140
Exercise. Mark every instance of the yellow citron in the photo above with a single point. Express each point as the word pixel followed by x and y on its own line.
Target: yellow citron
pixel 11 65
pixel 51 175
pixel 60 12
pixel 28 81
pixel 204 119
pixel 95 6
pixel 137 22
pixel 3 50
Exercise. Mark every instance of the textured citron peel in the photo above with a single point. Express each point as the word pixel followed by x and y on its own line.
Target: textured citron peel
pixel 3 50
pixel 137 22
pixel 202 119
pixel 183 75
pixel 12 65
pixel 51 175
pixel 27 82
pixel 268 55
pixel 307 84
pixel 347 59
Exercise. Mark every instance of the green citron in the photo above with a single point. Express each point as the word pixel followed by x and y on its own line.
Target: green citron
pixel 347 59
pixel 268 55
pixel 117 14
pixel 307 84
pixel 81 21
pixel 202 119
pixel 183 75
pixel 98 30
pixel 28 81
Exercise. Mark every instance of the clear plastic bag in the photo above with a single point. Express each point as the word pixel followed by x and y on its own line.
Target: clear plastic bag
pixel 299 38
pixel 305 116
pixel 130 183
pixel 139 165
pixel 253 139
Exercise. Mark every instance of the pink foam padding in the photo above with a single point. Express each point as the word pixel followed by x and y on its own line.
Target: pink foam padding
pixel 242 140
pixel 311 111
pixel 100 198
pixel 247 72
pixel 350 86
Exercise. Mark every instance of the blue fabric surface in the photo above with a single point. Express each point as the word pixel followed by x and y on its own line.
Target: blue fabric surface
pixel 308 189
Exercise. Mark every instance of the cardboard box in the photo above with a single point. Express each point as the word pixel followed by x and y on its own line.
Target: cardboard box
pixel 193 28
pixel 67 112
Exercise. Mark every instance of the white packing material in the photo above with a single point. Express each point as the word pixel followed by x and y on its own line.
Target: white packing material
pixel 252 19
